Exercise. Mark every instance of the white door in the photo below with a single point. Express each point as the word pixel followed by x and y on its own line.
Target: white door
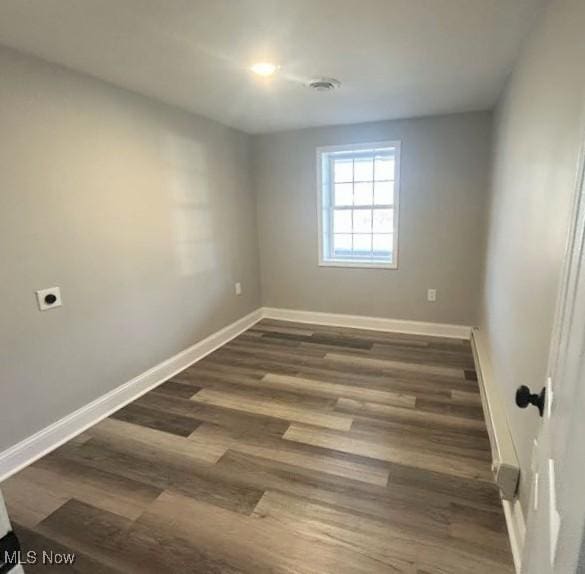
pixel 556 517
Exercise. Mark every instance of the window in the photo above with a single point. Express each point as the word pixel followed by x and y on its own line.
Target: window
pixel 358 204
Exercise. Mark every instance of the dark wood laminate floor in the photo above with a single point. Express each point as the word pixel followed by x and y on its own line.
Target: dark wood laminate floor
pixel 294 448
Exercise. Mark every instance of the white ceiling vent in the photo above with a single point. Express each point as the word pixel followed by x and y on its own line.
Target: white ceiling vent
pixel 324 84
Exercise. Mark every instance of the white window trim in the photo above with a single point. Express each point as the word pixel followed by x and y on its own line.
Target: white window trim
pixel 397 144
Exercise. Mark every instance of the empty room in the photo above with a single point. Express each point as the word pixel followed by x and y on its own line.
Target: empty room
pixel 292 286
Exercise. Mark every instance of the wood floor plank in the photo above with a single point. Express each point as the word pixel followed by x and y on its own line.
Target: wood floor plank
pixel 258 389
pixel 456 373
pixel 50 478
pixel 426 356
pixel 427 496
pixel 491 521
pixel 469 532
pixel 461 410
pixel 466 398
pixel 156 419
pixel 225 417
pixel 479 494
pixel 27 502
pixel 439 463
pixel 69 525
pixel 321 339
pixel 141 438
pixel 173 389
pixel 280 410
pixel 471 374
pixel 382 382
pixel 422 440
pixel 393 547
pixel 410 416
pixel 187 476
pixel 33 541
pixel 266 328
pixel 267 546
pixel 158 548
pixel 324 388
pixel 319 462
pixel 129 548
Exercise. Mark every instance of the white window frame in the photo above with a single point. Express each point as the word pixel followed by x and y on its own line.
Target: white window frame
pixel 370 264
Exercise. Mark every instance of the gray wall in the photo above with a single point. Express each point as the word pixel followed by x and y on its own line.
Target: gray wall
pixel 143 215
pixel 539 131
pixel 445 170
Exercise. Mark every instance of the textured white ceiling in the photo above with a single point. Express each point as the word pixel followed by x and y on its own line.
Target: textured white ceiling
pixel 395 58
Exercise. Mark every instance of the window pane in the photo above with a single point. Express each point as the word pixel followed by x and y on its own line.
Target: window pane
pixel 362 244
pixel 359 198
pixel 342 221
pixel 363 193
pixel 362 220
pixel 343 194
pixel 384 193
pixel 342 244
pixel 383 220
pixel 343 169
pixel 364 169
pixel 383 244
pixel 384 167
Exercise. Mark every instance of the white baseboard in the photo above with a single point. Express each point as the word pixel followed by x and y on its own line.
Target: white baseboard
pixel 34 447
pixel 505 463
pixel 516 530
pixel 504 459
pixel 373 323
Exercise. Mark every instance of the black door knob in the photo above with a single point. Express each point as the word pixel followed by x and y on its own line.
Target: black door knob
pixel 524 398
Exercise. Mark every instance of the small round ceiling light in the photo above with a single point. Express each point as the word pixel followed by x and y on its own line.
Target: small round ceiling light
pixel 264 69
pixel 324 84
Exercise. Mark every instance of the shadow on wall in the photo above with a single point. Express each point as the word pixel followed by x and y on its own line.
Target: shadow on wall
pixel 198 234
pixel 191 211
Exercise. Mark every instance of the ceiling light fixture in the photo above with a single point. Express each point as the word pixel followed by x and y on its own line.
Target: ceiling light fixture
pixel 264 69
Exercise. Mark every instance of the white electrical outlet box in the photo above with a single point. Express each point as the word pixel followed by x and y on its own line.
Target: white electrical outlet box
pixel 238 287
pixel 49 298
pixel 431 295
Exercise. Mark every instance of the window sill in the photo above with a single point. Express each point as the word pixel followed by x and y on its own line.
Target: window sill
pixel 357 264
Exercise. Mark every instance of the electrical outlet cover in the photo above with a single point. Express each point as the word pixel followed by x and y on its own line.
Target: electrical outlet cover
pixel 49 298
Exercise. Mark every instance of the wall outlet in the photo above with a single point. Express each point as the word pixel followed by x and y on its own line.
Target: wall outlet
pixel 431 295
pixel 49 298
pixel 238 288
